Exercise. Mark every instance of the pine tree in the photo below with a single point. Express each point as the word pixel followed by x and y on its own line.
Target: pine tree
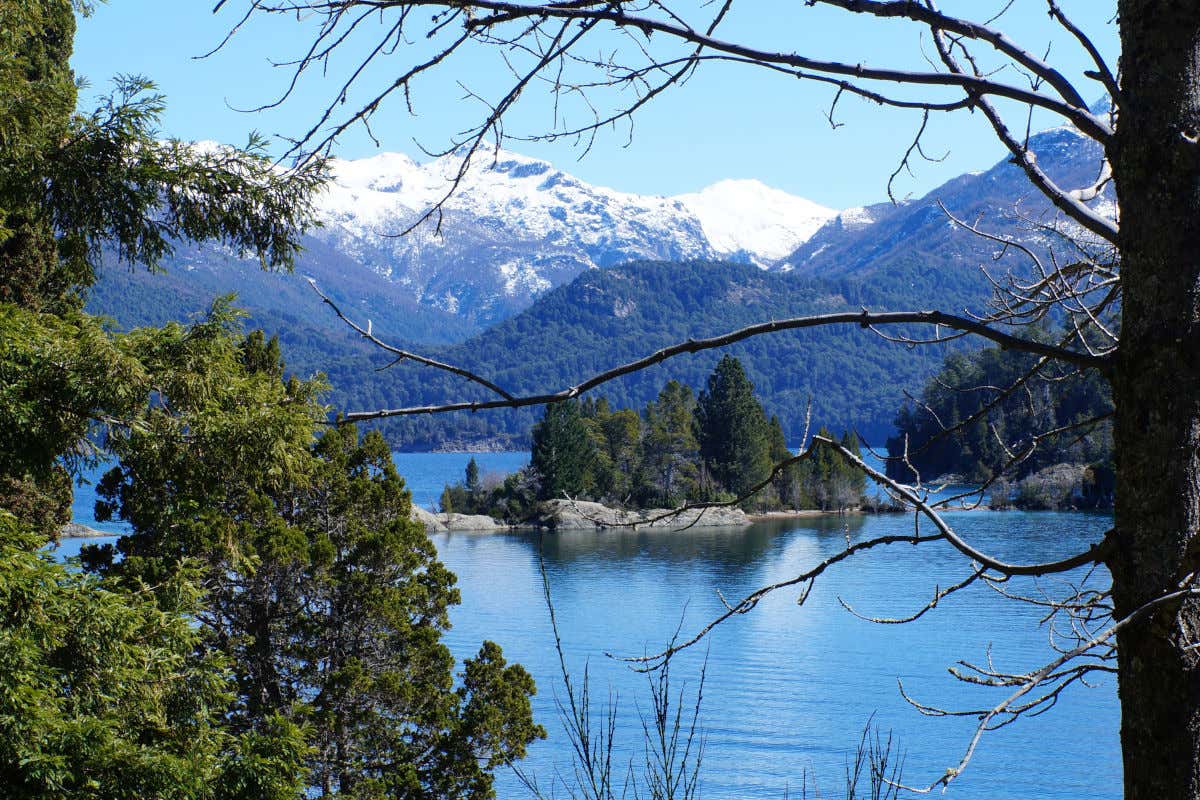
pixel 670 447
pixel 732 429
pixel 563 452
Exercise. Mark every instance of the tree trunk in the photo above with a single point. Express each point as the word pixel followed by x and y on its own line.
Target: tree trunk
pixel 1156 386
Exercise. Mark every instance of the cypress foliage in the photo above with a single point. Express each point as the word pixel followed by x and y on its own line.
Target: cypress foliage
pixel 563 452
pixel 732 430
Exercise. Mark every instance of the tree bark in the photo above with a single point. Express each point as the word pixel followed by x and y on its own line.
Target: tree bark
pixel 1156 385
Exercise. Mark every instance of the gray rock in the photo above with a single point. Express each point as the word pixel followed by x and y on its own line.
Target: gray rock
pixel 470 522
pixel 581 515
pixel 428 519
pixel 73 530
pixel 440 523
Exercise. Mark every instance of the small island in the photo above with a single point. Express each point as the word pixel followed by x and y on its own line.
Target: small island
pixel 593 466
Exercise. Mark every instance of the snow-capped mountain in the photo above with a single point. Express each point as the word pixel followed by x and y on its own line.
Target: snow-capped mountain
pixel 516 226
pixel 749 219
pixel 915 242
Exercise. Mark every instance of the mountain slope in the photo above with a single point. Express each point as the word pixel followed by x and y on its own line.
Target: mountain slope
pixel 916 238
pixel 516 227
pixel 605 318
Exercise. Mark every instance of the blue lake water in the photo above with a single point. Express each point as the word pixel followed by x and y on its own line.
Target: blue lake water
pixel 789 688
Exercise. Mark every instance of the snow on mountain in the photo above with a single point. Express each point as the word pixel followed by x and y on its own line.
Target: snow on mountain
pixel 746 216
pixel 516 226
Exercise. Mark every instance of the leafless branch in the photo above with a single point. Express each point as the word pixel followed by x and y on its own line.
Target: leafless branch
pixel 863 319
pixel 402 355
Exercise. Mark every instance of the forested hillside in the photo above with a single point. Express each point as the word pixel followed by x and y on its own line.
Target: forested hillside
pixel 605 318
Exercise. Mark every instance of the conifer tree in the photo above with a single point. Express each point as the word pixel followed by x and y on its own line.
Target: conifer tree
pixel 731 429
pixel 670 446
pixel 106 693
pixel 562 453
pixel 472 477
pixel 325 596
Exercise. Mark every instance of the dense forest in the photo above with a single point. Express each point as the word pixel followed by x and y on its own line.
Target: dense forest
pixel 717 447
pixel 601 319
pixel 1040 437
pixel 608 317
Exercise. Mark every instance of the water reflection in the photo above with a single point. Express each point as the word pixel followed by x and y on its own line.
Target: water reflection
pixel 789 687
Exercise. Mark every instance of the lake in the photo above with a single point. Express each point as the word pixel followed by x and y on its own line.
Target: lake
pixel 788 688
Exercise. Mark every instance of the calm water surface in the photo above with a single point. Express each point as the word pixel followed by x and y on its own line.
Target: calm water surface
pixel 789 688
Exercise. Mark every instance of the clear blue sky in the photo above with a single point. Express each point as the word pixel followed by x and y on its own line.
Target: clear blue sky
pixel 727 122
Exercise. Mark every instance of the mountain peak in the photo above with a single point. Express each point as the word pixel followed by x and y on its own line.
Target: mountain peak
pixel 747 216
pixel 515 226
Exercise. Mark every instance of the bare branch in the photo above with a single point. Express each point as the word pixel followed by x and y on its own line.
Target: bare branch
pixel 1096 553
pixel 402 355
pixel 862 318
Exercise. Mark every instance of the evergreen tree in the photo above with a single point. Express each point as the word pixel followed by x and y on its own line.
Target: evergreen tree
pixel 327 599
pixel 670 447
pixel 968 384
pixel 472 477
pixel 563 453
pixel 621 433
pixel 71 183
pixel 732 430
pixel 830 481
pixel 106 693
pixel 373 601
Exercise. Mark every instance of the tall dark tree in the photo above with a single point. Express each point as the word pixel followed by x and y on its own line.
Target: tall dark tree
pixel 107 693
pixel 731 429
pixel 325 596
pixel 562 452
pixel 472 476
pixel 72 184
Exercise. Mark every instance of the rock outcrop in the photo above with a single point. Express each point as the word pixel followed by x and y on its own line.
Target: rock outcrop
pixel 428 519
pixel 580 515
pixel 73 530
pixel 440 523
pixel 470 522
pixel 568 515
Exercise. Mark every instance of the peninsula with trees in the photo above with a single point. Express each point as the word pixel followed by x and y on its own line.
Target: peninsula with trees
pixel 718 447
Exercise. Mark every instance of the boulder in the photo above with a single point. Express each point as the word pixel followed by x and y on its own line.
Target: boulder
pixel 428 519
pixel 470 522
pixel 73 530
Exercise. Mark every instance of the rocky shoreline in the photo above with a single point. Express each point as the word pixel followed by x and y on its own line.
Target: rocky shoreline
pixel 579 515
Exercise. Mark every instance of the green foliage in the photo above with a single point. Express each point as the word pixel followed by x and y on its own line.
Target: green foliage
pixel 732 430
pixel 563 452
pixel 589 451
pixel 472 477
pixel 106 694
pixel 59 375
pixel 853 380
pixel 979 445
pixel 670 451
pixel 68 182
pixel 827 480
pixel 326 598
pixel 72 181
